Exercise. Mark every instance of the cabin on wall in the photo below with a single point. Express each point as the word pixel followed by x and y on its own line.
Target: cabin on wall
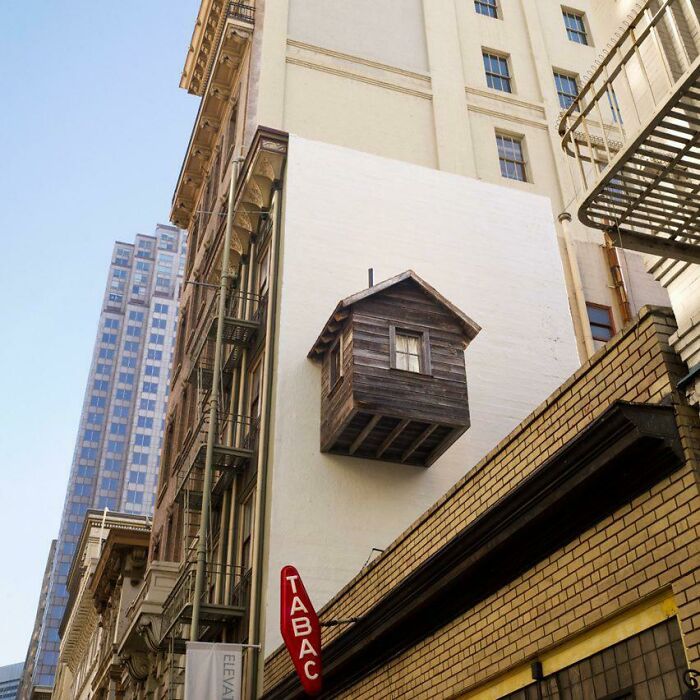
pixel 393 380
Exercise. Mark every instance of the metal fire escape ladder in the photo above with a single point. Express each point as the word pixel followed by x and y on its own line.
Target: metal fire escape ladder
pixel 640 178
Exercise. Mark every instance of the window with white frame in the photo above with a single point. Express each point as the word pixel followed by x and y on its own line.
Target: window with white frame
pixel 489 8
pixel 511 157
pixel 497 71
pixel 575 26
pixel 567 89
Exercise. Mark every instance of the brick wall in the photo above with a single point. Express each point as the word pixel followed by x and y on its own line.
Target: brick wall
pixel 649 544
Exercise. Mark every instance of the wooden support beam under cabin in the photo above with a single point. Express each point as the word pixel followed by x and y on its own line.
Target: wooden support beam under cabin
pixel 419 441
pixel 363 435
pixel 391 437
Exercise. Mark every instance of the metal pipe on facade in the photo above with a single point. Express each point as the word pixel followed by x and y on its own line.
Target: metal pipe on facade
pixel 255 676
pixel 565 220
pixel 213 417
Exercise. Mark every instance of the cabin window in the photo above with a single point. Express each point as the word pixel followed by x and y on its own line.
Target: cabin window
pixel 335 365
pixel 410 350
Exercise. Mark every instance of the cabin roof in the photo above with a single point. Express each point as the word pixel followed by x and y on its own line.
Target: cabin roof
pixel 342 310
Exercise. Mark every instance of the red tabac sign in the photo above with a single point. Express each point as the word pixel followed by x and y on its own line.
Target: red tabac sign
pixel 300 630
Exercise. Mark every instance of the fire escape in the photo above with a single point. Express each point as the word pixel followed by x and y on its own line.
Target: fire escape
pixel 225 592
pixel 632 133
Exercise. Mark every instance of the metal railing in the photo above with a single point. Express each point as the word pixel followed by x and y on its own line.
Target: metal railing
pixel 217 579
pixel 243 306
pixel 234 443
pixel 241 12
pixel 633 128
pixel 242 318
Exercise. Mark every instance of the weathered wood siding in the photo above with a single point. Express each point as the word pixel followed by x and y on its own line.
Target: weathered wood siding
pixel 337 404
pixel 377 388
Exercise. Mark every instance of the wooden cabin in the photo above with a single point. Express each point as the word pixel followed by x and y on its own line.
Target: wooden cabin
pixel 394 383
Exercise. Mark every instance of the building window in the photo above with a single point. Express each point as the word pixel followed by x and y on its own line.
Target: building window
pixel 567 89
pixel 134 497
pixel 246 532
pixel 486 7
pixel 575 27
pixel 511 158
pixel 335 364
pixel 255 381
pixel 497 72
pixel 409 350
pixel 231 131
pixel 614 105
pixel 263 273
pixel 601 320
pixel 142 440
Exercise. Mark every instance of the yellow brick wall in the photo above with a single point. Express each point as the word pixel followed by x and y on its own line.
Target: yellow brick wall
pixel 646 545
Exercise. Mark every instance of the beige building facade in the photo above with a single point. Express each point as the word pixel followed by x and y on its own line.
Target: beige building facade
pixel 106 574
pixel 327 72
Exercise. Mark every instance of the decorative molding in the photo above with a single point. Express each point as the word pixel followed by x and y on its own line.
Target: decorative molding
pixel 359 78
pixel 358 59
pixel 493 95
pixel 508 117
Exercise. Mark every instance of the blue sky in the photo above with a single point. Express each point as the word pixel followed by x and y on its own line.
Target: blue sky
pixel 93 128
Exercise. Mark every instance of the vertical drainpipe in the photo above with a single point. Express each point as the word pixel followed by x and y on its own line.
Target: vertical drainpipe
pixel 580 299
pixel 255 676
pixel 213 409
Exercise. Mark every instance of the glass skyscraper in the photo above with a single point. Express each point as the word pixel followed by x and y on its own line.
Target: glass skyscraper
pixel 117 451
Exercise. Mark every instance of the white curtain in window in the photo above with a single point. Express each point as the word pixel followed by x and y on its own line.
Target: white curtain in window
pixel 408 352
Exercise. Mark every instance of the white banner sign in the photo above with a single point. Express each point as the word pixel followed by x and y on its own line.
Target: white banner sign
pixel 213 671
